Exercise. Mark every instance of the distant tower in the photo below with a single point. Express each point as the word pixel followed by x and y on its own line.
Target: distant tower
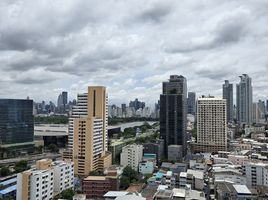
pixel 191 103
pixel 173 112
pixel 227 93
pixel 244 100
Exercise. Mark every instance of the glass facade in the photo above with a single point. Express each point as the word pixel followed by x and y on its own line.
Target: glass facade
pixel 16 122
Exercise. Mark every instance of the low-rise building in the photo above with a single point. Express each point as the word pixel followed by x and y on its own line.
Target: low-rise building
pixel 146 167
pixel 8 187
pixel 174 152
pixel 97 186
pixel 45 181
pixel 233 192
pixel 256 173
pixel 131 156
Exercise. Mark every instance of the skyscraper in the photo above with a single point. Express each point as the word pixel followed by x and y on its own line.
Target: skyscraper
pixel 211 125
pixel 173 112
pixel 258 112
pixel 267 106
pixel 16 126
pixel 244 100
pixel 227 93
pixel 90 134
pixel 191 101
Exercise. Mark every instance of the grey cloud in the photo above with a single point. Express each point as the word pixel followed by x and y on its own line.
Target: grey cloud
pixel 105 42
pixel 155 12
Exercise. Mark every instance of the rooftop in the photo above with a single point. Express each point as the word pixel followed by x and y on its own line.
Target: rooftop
pixel 95 178
pixel 242 189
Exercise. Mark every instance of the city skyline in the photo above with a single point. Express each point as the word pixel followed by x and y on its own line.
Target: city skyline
pixel 131 48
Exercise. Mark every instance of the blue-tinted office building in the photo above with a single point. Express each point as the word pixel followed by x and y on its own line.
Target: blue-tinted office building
pixel 16 127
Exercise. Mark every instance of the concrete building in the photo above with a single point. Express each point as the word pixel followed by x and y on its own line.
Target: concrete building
pixel 90 134
pixel 16 127
pixel 175 152
pixel 79 197
pixel 115 147
pixel 97 186
pixel 211 125
pixel 156 147
pixel 8 187
pixel 191 103
pixel 227 93
pixel 233 192
pixel 146 167
pixel 173 113
pixel 131 156
pixel 46 180
pixel 256 174
pixel 51 134
pixel 244 100
pixel 258 112
pixel 79 110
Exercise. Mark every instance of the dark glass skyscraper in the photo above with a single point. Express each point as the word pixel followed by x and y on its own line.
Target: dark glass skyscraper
pixel 227 93
pixel 16 126
pixel 173 112
pixel 191 103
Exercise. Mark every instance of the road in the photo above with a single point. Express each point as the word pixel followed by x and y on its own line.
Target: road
pixel 30 158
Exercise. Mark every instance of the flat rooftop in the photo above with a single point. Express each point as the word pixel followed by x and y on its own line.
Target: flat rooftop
pixel 95 178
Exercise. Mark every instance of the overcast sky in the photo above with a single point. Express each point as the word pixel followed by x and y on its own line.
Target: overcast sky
pixel 130 46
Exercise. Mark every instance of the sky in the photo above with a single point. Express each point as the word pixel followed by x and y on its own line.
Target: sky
pixel 130 46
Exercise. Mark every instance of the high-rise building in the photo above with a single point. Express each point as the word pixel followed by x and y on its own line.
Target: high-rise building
pixel 258 112
pixel 45 180
pixel 267 106
pixel 191 103
pixel 131 156
pixel 90 134
pixel 136 104
pixel 124 109
pixel 227 93
pixel 244 100
pixel 16 127
pixel 173 112
pixel 79 110
pixel 64 98
pixel 211 125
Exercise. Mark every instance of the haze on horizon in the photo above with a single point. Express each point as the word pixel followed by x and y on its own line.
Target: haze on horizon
pixel 130 47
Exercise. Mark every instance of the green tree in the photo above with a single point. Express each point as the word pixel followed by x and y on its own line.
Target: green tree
pixel 39 149
pixel 66 194
pixel 130 173
pixel 5 171
pixel 95 173
pixel 124 182
pixel 53 148
pixel 21 166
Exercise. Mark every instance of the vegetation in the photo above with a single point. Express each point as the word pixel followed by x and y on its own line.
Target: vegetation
pixel 39 149
pixel 95 173
pixel 66 194
pixel 116 120
pixel 57 119
pixel 4 171
pixel 21 166
pixel 129 175
pixel 131 131
pixel 53 148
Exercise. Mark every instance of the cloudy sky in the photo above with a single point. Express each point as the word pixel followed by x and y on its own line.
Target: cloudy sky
pixel 130 46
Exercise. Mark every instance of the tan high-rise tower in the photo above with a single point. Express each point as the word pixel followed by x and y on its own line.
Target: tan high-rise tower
pixel 90 135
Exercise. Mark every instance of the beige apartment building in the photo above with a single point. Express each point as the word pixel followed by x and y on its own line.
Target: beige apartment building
pixel 211 125
pixel 90 134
